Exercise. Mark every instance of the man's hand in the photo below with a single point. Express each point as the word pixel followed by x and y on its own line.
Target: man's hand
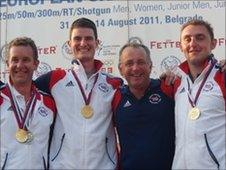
pixel 169 77
pixel 222 65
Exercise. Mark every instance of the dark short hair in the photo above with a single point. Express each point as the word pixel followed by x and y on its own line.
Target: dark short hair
pixel 83 23
pixel 202 23
pixel 136 45
pixel 22 41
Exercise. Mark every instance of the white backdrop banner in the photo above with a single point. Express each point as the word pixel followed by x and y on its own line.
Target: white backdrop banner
pixel 153 23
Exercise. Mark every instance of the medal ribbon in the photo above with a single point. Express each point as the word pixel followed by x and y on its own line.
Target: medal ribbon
pixel 21 121
pixel 193 103
pixel 87 100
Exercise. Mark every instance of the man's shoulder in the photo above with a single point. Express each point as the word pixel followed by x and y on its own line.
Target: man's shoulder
pixel 46 81
pixel 57 73
pixel 155 83
pixel 51 77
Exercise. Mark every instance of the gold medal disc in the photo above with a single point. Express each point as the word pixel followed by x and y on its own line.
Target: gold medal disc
pixel 194 113
pixel 21 135
pixel 87 111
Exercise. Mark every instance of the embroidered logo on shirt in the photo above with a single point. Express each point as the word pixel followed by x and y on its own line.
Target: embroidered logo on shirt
pixel 103 87
pixel 42 111
pixel 70 83
pixel 155 98
pixel 208 86
pixel 127 104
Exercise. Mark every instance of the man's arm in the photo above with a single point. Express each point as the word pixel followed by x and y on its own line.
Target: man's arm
pixel 222 65
pixel 42 82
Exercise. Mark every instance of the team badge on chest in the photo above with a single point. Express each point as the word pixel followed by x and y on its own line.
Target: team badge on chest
pixel 42 111
pixel 155 98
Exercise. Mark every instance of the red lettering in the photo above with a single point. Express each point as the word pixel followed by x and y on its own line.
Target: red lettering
pixel 152 44
pixel 159 45
pixel 164 44
pixel 47 50
pixel 52 50
pixel 221 41
pixel 177 44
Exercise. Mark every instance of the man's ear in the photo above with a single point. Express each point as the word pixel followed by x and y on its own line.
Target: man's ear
pixel 120 69
pixel 69 43
pixel 180 46
pixel 36 64
pixel 213 43
pixel 7 62
pixel 98 43
pixel 150 67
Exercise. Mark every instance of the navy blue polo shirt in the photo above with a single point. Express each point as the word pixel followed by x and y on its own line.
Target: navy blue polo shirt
pixel 145 128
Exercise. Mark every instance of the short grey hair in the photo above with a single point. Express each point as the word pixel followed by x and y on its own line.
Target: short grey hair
pixel 136 45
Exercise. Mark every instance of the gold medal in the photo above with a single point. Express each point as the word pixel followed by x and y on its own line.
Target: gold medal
pixel 87 111
pixel 21 135
pixel 194 113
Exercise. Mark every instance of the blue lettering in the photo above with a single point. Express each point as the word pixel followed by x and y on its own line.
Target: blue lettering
pixel 71 1
pixel 55 1
pixel 36 2
pixel 25 2
pixel 2 3
pixel 12 2
pixel 67 11
pixel 5 3
pixel 60 1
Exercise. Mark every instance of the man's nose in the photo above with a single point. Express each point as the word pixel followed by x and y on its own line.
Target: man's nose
pixel 135 65
pixel 83 42
pixel 20 63
pixel 193 41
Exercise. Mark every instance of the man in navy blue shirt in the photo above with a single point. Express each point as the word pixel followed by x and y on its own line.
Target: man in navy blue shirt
pixel 143 113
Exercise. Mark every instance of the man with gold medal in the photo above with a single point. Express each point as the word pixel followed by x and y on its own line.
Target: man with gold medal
pixel 200 102
pixel 84 136
pixel 26 113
